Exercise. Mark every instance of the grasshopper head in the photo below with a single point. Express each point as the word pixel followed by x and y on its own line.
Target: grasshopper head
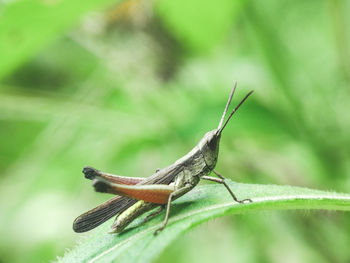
pixel 209 145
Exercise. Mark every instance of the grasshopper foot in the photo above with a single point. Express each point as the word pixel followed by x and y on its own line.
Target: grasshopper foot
pixel 245 201
pixel 158 230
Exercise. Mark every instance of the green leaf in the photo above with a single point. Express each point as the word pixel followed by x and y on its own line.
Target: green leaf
pixel 138 244
pixel 27 26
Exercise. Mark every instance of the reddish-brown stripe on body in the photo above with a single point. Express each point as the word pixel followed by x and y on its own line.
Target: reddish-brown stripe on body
pixel 157 196
pixel 121 179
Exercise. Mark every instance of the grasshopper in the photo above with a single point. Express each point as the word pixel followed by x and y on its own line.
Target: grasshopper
pixel 136 196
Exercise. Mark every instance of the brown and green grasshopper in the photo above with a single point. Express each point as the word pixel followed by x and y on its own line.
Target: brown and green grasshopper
pixel 136 196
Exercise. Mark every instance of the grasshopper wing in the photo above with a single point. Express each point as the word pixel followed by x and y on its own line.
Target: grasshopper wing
pixel 101 213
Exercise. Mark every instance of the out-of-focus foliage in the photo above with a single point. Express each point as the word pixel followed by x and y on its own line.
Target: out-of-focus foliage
pixel 27 26
pixel 135 86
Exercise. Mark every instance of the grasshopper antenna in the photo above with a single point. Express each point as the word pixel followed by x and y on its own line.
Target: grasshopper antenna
pixel 227 105
pixel 235 109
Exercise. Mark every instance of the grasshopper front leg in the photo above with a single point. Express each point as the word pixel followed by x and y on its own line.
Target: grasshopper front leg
pixel 222 181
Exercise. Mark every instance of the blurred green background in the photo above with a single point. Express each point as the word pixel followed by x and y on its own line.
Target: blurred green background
pixel 128 87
